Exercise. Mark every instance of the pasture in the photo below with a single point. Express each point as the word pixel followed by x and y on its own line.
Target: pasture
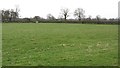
pixel 48 44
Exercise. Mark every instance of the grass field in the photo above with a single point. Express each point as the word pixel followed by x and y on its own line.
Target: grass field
pixel 59 45
pixel 0 44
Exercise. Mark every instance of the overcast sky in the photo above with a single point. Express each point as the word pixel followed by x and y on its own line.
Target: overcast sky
pixel 31 8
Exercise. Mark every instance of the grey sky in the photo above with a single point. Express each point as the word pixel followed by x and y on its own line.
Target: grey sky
pixel 30 8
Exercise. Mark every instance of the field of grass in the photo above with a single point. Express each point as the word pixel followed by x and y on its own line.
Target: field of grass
pixel 0 44
pixel 59 44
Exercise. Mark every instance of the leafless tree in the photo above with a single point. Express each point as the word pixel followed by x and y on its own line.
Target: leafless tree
pixel 79 13
pixel 50 17
pixel 89 17
pixel 65 12
pixel 98 17
pixel 17 10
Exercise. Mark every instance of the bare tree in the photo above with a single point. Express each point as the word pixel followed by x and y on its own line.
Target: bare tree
pixel 65 12
pixel 50 17
pixel 98 17
pixel 79 13
pixel 90 17
pixel 13 15
pixel 17 10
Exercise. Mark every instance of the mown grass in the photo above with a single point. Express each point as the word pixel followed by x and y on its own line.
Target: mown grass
pixel 0 44
pixel 60 45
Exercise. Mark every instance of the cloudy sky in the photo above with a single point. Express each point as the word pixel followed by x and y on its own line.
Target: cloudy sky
pixel 31 8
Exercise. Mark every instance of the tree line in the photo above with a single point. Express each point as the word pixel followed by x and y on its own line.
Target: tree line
pixel 11 15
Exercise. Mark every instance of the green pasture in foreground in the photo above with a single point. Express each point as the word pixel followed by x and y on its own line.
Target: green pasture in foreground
pixel 0 44
pixel 59 44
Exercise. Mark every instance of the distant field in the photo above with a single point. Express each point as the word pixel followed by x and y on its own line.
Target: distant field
pixel 60 44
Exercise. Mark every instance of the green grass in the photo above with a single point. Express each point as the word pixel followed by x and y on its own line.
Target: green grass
pixel 60 45
pixel 0 44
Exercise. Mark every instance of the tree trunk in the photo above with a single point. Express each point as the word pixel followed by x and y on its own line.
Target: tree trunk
pixel 65 17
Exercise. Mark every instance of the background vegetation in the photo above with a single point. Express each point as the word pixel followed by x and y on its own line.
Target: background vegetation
pixel 12 16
